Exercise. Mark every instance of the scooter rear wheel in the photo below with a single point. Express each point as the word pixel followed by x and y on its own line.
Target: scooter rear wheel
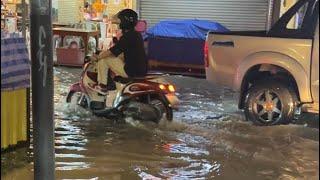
pixel 153 111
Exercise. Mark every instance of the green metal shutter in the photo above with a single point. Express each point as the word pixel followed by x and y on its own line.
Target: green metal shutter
pixel 234 14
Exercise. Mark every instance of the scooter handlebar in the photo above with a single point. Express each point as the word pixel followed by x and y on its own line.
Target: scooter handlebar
pixel 98 51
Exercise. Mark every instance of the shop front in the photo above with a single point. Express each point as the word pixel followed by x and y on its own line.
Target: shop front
pixel 15 74
pixel 15 82
pixel 88 23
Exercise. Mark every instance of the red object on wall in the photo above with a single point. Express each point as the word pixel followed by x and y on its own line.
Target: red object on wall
pixel 70 57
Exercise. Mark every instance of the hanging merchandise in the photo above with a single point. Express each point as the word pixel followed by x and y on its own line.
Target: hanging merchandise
pixel 103 35
pixel 114 6
pixel 92 44
pixel 99 8
pixel 69 39
pixel 15 63
pixel 69 11
pixel 11 24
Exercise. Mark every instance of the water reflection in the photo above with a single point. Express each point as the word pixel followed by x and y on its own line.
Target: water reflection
pixel 69 166
pixel 194 167
pixel 208 139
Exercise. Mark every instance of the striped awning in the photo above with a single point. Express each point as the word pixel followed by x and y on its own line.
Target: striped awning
pixel 15 64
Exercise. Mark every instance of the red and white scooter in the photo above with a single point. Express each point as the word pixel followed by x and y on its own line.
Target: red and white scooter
pixel 147 99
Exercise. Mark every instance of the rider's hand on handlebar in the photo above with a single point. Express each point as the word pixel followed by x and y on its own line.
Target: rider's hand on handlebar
pixel 94 57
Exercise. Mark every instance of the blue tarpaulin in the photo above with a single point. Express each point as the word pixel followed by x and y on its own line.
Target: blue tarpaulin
pixel 190 29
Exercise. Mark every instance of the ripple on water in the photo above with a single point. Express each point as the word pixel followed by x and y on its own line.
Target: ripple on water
pixel 208 139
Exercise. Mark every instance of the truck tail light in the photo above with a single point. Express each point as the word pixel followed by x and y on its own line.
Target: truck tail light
pixel 206 54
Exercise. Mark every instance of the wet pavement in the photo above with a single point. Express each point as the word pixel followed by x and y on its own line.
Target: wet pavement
pixel 208 139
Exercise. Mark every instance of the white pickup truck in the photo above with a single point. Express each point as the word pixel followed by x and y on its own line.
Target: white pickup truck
pixel 275 71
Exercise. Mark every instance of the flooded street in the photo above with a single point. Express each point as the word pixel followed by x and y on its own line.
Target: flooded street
pixel 208 139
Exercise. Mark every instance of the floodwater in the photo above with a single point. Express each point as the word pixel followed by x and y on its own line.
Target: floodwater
pixel 208 139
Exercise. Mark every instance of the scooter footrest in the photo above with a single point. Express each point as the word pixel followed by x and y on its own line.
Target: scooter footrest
pixel 96 105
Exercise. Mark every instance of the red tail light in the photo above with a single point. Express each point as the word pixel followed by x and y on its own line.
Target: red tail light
pixel 206 54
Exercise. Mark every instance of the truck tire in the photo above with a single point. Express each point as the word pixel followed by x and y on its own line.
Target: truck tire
pixel 271 102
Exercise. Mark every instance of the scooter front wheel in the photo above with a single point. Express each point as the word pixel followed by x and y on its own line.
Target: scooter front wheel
pixel 83 102
pixel 78 98
pixel 162 110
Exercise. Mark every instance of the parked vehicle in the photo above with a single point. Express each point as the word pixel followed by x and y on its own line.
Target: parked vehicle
pixel 275 71
pixel 175 46
pixel 147 99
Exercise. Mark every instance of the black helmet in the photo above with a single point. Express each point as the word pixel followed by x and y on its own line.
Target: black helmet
pixel 128 19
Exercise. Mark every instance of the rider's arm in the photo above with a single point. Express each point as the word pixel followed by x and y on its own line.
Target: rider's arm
pixel 116 50
pixel 120 46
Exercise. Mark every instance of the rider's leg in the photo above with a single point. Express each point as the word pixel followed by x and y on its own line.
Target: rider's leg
pixel 111 84
pixel 114 64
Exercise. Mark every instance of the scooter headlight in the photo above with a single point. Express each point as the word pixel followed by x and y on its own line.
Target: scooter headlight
pixel 171 88
pixel 162 87
pixel 167 88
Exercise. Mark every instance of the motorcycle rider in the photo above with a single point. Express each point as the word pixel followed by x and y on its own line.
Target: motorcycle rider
pixel 131 45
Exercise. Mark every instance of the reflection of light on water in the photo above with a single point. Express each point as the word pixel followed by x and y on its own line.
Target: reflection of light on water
pixel 145 176
pixel 198 169
pixel 96 178
pixel 69 156
pixel 69 137
pixel 192 169
pixel 133 122
pixel 71 110
pixel 70 148
pixel 196 95
pixel 63 141
pixel 196 145
pixel 69 166
pixel 183 149
pixel 175 125
pixel 197 165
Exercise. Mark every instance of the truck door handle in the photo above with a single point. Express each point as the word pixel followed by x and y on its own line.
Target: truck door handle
pixel 226 43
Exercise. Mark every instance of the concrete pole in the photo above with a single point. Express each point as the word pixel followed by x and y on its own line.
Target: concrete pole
pixel 24 34
pixel 42 89
pixel 24 15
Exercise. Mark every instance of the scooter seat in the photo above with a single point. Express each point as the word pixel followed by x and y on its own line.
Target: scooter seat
pixel 124 80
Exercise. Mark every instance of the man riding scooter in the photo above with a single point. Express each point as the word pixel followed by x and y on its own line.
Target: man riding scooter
pixel 131 45
pixel 143 98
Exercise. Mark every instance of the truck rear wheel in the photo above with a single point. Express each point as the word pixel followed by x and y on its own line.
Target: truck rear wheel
pixel 270 102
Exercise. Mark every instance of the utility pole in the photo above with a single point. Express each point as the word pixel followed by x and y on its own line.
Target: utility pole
pixel 24 15
pixel 42 89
